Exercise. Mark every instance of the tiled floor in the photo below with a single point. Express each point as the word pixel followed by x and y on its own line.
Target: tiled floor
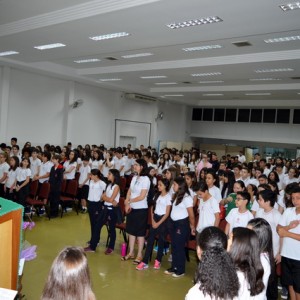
pixel 111 277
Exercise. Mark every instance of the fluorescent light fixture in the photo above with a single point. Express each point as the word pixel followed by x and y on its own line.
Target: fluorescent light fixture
pixel 207 47
pixel 6 53
pixel 175 95
pixel 258 94
pixel 202 21
pixel 298 93
pixel 165 83
pixel 110 79
pixel 290 6
pixel 264 79
pixel 274 70
pixel 86 60
pixel 153 77
pixel 109 36
pixel 211 81
pixel 206 74
pixel 49 46
pixel 283 39
pixel 212 94
pixel 137 55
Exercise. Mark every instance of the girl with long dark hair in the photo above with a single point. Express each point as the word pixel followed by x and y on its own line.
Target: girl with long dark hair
pixel 182 224
pixel 160 212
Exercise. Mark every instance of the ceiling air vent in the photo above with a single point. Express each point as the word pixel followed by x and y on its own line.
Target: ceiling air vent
pixel 111 58
pixel 139 97
pixel 295 78
pixel 187 82
pixel 242 44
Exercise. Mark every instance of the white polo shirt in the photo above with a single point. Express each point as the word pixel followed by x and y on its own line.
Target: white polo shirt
pixel 96 190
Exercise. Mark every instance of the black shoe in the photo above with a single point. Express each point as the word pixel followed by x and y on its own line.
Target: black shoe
pixel 170 271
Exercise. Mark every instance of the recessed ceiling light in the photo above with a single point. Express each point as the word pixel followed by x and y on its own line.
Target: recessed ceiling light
pixel 137 55
pixel 110 79
pixel 165 83
pixel 212 94
pixel 290 6
pixel 49 46
pixel 283 39
pixel 274 70
pixel 258 94
pixel 264 79
pixel 211 81
pixel 86 60
pixel 153 77
pixel 6 53
pixel 175 95
pixel 206 74
pixel 202 21
pixel 109 36
pixel 207 47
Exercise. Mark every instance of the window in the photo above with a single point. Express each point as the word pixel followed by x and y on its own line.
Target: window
pixel 256 115
pixel 207 114
pixel 244 115
pixel 230 115
pixel 283 116
pixel 197 114
pixel 269 115
pixel 219 114
pixel 296 118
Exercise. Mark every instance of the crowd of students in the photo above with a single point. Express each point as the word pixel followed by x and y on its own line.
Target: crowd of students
pixel 256 205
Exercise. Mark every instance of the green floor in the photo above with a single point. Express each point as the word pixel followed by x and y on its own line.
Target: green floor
pixel 112 278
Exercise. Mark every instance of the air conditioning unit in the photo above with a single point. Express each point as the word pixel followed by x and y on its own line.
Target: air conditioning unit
pixel 139 97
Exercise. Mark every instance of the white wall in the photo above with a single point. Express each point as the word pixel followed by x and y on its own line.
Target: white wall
pixel 173 126
pixel 36 108
pixel 279 133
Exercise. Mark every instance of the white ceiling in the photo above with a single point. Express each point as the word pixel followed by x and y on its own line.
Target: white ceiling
pixel 28 23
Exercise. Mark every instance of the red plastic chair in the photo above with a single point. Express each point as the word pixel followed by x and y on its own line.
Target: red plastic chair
pixel 69 196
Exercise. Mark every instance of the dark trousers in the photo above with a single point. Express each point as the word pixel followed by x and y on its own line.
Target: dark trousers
pixel 179 236
pixel 54 197
pixel 161 232
pixel 10 196
pixel 22 193
pixel 96 219
pixel 111 218
pixel 2 194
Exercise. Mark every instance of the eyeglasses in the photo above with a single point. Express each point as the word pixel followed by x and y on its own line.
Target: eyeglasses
pixel 238 199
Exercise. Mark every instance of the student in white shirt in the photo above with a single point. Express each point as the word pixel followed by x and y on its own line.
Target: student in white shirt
pixel 35 163
pixel 97 160
pixel 22 181
pixel 10 183
pixel 96 189
pixel 191 180
pixel 111 197
pixel 70 166
pixel 216 275
pixel 289 230
pixel 4 167
pixel 107 164
pixel 119 162
pixel 160 212
pixel 83 183
pixel 182 223
pixel 136 206
pixel 240 216
pixel 263 231
pixel 243 246
pixel 45 168
pixel 211 180
pixel 290 177
pixel 209 210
